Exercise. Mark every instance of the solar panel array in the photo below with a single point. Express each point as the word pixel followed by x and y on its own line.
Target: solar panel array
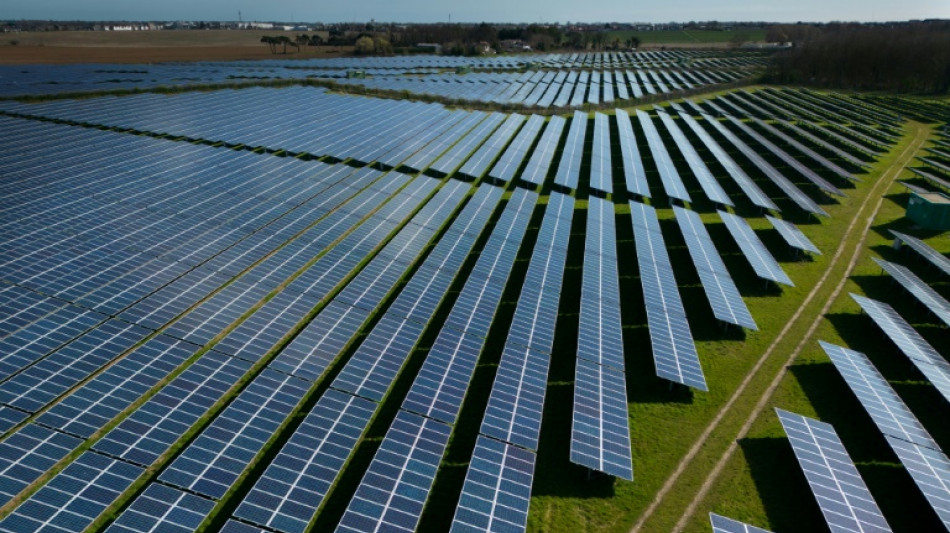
pixel 508 163
pixel 569 166
pixel 634 174
pixel 162 508
pixel 934 257
pixel 543 155
pixel 921 290
pixel 721 524
pixel 921 456
pixel 792 235
pixel 721 291
pixel 700 171
pixel 394 489
pixel 478 163
pixel 600 433
pixel 674 352
pixel 930 363
pixel 765 266
pixel 844 499
pixel 601 168
pixel 672 183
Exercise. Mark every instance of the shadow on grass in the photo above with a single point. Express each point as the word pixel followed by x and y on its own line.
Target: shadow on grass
pixel 782 487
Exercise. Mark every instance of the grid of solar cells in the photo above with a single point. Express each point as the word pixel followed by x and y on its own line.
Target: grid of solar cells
pixel 509 162
pixel 461 150
pixel 33 342
pixel 600 432
pixel 930 363
pixel 149 431
pixel 601 168
pixel 765 266
pixel 634 174
pixel 422 157
pixel 700 171
pixel 164 509
pixel 28 454
pixel 721 524
pixel 843 497
pixel 721 291
pixel 674 352
pixel 934 257
pixel 371 370
pixel 38 385
pixel 792 235
pixel 916 449
pixel 440 386
pixel 20 307
pixel 295 483
pixel 233 526
pixel 537 168
pixel 569 166
pixel 919 288
pixel 73 498
pixel 259 333
pixel 672 183
pixel 478 163
pixel 934 180
pixel 802 169
pixel 93 405
pixel 497 489
pixel 789 188
pixel 213 462
pixel 393 491
pixel 751 190
pixel 9 418
pixel 815 156
pixel 600 337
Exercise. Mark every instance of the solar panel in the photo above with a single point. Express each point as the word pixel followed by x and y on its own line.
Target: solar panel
pixel 233 526
pixel 162 508
pixel 751 190
pixel 509 162
pixel 600 338
pixel 930 363
pixel 497 489
pixel 569 167
pixel 919 288
pixel 672 183
pixel 721 524
pixel 75 497
pixel 394 490
pixel 10 417
pixel 920 454
pixel 792 235
pixel 843 497
pixel 478 163
pixel 94 404
pixel 674 352
pixel 601 168
pixel 293 486
pixel 721 291
pixel 223 450
pixel 934 257
pixel 600 433
pixel 149 431
pixel 542 156
pixel 42 337
pixel 700 171
pixel 793 192
pixel 765 266
pixel 460 151
pixel 634 174
pixel 40 384
pixel 28 454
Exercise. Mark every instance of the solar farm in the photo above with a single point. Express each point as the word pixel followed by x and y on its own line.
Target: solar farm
pixel 639 297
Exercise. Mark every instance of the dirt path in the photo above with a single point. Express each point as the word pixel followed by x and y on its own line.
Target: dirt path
pixel 877 191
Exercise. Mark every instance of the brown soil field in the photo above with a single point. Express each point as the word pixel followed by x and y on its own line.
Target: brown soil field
pixel 147 47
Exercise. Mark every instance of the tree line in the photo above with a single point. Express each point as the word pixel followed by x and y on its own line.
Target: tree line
pixel 911 57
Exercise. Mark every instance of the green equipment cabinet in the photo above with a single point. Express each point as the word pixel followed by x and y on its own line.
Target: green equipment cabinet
pixel 929 210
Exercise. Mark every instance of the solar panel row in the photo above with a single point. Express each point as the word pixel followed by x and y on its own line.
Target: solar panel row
pixel 937 304
pixel 634 174
pixel 674 352
pixel 569 166
pixel 721 291
pixel 672 183
pixel 755 252
pixel 700 171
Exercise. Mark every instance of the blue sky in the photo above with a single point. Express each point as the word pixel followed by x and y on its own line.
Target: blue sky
pixel 482 10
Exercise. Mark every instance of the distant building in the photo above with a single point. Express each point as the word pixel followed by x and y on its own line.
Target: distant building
pixel 436 48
